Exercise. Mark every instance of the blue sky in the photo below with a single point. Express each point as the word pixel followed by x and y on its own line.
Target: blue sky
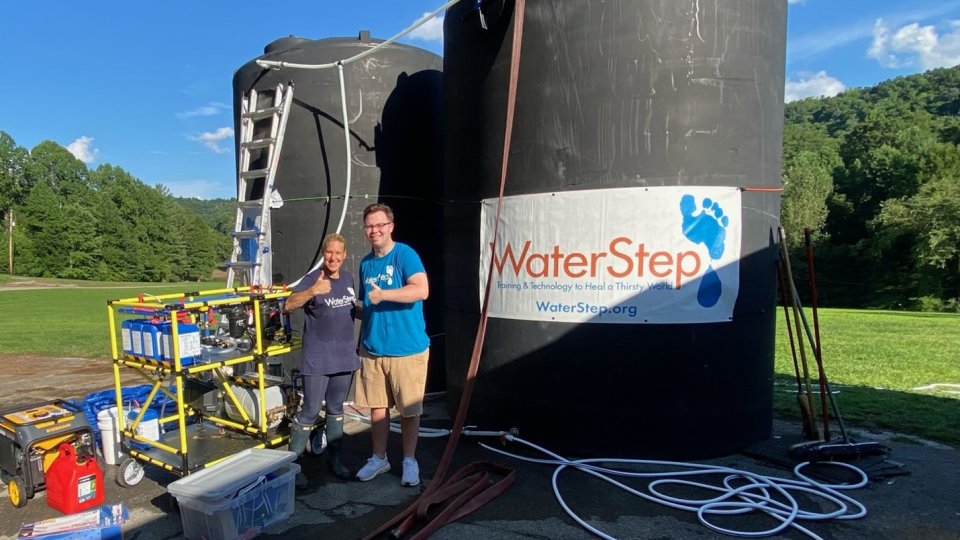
pixel 146 86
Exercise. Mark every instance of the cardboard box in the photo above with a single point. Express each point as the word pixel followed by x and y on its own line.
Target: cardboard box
pixel 104 523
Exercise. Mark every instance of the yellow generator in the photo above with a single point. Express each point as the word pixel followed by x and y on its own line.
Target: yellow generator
pixel 29 438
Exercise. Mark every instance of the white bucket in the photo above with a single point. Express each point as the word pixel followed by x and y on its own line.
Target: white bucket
pixel 149 426
pixel 109 436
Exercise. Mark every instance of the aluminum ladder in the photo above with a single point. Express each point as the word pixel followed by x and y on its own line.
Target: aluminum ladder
pixel 263 120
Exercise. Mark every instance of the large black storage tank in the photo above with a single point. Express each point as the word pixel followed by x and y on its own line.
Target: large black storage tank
pixel 632 307
pixel 394 106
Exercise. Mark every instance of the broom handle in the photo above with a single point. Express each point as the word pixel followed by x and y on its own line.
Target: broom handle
pixel 818 351
pixel 786 315
pixel 796 316
pixel 806 415
pixel 833 400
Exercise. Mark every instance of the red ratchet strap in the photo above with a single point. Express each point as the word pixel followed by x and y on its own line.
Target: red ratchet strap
pixel 474 485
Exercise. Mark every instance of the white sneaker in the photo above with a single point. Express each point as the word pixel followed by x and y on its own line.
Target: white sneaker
pixel 411 473
pixel 375 467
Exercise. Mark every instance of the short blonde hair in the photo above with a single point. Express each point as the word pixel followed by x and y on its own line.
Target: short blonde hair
pixel 333 237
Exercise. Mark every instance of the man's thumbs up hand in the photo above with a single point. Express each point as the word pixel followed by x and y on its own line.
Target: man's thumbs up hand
pixel 375 294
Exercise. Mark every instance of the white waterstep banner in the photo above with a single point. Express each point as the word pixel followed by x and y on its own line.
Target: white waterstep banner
pixel 658 255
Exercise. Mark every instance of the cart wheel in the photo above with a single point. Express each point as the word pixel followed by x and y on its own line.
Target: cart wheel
pixel 130 473
pixel 17 492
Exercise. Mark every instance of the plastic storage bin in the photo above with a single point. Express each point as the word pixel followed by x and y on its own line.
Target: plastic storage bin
pixel 238 497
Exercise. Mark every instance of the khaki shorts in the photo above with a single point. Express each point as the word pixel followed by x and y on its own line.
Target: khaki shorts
pixel 392 381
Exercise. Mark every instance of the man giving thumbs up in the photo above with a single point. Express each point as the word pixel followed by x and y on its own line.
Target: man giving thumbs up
pixel 394 344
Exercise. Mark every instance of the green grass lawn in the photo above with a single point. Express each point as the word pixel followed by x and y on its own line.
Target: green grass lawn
pixel 70 319
pixel 875 359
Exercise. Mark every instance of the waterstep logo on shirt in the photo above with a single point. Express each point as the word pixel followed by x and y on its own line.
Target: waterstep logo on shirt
pixel 629 255
pixel 385 278
pixel 346 300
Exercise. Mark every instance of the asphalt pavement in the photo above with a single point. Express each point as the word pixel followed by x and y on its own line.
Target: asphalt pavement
pixel 912 494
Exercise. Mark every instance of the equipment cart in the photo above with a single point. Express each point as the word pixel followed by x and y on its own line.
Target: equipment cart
pixel 211 354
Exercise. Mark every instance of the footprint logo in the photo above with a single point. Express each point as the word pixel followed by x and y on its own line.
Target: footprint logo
pixel 708 227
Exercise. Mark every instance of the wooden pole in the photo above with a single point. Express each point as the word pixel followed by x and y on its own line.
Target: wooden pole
pixel 10 224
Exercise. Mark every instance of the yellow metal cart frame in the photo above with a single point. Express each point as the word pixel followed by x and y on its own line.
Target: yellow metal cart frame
pixel 172 452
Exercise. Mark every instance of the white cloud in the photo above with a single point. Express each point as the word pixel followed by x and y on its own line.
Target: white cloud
pixel 913 45
pixel 83 150
pixel 827 38
pixel 212 139
pixel 210 109
pixel 432 30
pixel 819 84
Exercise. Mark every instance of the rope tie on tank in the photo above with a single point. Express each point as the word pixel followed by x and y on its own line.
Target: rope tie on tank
pixel 364 196
pixel 477 483
pixel 761 189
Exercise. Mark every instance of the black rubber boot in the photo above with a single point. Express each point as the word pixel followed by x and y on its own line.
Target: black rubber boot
pixel 299 436
pixel 334 429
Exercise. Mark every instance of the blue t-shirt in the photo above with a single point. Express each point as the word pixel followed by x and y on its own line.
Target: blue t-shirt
pixel 392 328
pixel 329 342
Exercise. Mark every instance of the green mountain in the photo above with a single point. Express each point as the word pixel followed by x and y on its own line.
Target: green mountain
pixel 875 174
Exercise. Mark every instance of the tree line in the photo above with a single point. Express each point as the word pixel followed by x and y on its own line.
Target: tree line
pixel 68 221
pixel 874 173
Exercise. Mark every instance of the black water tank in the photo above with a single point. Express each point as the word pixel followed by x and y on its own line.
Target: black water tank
pixel 618 101
pixel 394 103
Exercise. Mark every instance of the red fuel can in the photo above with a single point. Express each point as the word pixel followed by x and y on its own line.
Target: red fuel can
pixel 74 483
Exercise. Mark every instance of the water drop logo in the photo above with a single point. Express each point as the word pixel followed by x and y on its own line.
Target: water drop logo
pixel 708 226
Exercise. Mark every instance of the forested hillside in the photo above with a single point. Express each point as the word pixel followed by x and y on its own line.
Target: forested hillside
pixel 102 224
pixel 218 214
pixel 875 173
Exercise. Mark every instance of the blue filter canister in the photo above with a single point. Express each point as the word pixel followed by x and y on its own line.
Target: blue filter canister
pixel 126 336
pixel 136 337
pixel 151 340
pixel 188 342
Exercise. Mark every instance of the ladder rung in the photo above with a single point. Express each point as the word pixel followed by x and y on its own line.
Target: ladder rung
pixel 242 264
pixel 247 234
pixel 262 113
pixel 256 173
pixel 255 203
pixel 259 143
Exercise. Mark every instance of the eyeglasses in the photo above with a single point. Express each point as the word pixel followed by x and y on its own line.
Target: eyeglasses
pixel 377 226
